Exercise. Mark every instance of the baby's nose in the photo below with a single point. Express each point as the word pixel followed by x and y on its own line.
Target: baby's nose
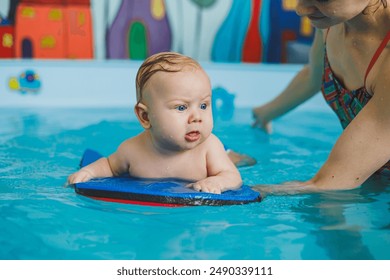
pixel 195 116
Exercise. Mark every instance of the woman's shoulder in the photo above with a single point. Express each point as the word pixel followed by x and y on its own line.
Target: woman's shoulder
pixel 377 78
pixel 381 80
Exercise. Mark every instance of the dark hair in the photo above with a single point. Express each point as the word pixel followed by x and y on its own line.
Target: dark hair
pixel 161 62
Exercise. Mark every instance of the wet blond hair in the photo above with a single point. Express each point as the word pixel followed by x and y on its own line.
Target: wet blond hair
pixel 161 62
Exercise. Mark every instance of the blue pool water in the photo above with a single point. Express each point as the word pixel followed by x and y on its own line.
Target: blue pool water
pixel 40 219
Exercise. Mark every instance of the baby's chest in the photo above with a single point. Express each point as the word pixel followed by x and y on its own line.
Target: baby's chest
pixel 185 168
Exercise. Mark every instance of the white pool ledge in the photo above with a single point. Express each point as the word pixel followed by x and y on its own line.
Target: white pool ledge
pixel 92 83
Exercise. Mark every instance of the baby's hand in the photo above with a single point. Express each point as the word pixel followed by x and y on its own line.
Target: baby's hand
pixel 79 176
pixel 210 185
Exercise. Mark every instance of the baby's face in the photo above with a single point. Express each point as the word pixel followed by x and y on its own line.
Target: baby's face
pixel 179 108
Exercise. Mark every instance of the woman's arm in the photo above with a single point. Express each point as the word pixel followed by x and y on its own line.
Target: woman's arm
pixel 304 85
pixel 364 146
pixel 362 149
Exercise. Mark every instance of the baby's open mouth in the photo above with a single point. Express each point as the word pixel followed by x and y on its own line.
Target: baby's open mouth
pixel 192 136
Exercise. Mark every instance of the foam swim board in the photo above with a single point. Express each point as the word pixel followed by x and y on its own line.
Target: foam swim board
pixel 164 192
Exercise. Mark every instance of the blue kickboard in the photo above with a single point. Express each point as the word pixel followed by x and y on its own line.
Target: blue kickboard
pixel 162 192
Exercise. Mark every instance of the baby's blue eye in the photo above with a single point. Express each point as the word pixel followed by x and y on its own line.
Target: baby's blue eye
pixel 181 108
pixel 203 106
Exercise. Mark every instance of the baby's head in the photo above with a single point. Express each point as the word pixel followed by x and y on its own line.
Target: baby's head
pixel 169 62
pixel 174 100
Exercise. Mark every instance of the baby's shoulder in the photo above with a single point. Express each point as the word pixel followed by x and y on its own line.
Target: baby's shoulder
pixel 213 142
pixel 133 143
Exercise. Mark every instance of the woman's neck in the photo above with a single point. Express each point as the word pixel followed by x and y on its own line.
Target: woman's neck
pixel 374 20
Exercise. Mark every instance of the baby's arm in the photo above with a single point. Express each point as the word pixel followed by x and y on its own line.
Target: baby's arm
pixel 116 164
pixel 99 168
pixel 222 173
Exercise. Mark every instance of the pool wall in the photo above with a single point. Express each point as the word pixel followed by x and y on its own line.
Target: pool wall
pixel 63 83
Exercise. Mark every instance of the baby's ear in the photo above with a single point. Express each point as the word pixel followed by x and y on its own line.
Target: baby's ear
pixel 141 111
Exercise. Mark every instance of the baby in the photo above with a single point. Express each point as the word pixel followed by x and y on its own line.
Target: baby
pixel 174 108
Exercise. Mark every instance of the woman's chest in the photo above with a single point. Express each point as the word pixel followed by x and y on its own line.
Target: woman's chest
pixel 347 67
pixel 349 59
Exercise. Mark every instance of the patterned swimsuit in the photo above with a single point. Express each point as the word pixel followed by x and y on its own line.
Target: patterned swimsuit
pixel 348 103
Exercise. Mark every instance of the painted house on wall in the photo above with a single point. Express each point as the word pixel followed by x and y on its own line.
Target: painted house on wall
pixel 53 29
pixel 140 29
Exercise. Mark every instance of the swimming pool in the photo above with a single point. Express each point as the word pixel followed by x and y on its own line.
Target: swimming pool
pixel 41 144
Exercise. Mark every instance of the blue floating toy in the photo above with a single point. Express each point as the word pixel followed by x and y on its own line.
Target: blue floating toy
pixel 223 103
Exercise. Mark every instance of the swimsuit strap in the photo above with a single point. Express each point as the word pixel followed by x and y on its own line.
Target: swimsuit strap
pixel 376 55
pixel 326 35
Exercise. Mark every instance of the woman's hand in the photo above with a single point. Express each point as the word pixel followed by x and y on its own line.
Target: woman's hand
pixel 287 188
pixel 259 121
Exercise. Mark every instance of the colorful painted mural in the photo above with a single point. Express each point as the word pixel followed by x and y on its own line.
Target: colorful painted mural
pixel 140 29
pixel 53 29
pixel 251 31
pixel 230 38
pixel 253 49
pixel 286 28
pixel 6 39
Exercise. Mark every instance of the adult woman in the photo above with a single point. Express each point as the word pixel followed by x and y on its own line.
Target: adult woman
pixel 350 63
